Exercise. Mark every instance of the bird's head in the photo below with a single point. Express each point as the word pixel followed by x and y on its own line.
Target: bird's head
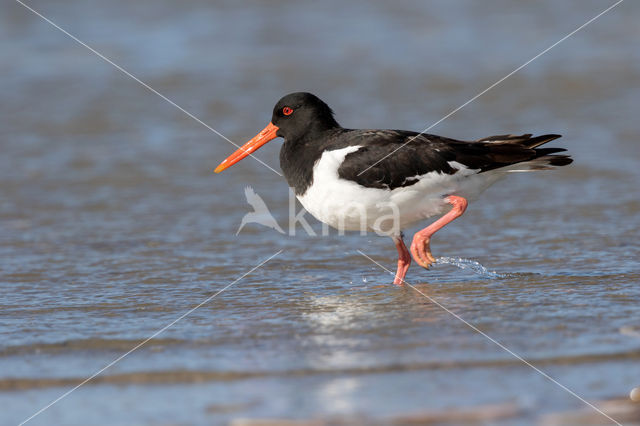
pixel 295 116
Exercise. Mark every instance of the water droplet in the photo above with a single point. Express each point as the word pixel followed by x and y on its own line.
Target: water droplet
pixel 471 265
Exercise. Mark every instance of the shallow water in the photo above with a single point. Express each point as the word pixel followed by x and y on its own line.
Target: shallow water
pixel 113 225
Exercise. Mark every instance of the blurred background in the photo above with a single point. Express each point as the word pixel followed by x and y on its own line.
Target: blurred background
pixel 112 223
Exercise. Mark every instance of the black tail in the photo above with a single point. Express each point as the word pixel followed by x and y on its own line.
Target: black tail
pixel 513 149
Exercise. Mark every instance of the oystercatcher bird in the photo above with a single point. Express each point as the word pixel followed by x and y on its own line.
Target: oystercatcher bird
pixel 385 180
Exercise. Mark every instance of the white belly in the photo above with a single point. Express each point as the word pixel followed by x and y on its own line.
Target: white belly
pixel 347 206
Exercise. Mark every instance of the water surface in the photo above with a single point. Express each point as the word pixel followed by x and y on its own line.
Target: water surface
pixel 112 224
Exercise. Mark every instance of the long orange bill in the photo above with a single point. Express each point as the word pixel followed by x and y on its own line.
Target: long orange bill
pixel 267 134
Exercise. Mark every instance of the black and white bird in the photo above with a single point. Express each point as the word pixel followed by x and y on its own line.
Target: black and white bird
pixel 386 180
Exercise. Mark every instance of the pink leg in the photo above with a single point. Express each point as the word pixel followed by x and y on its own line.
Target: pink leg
pixel 404 260
pixel 420 248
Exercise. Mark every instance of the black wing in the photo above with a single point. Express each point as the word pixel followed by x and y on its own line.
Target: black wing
pixel 392 158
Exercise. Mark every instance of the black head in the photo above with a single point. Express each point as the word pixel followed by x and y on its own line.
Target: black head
pixel 296 117
pixel 301 114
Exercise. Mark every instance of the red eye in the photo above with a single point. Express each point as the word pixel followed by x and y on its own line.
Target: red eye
pixel 287 111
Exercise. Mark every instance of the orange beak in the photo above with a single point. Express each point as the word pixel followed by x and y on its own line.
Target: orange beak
pixel 267 134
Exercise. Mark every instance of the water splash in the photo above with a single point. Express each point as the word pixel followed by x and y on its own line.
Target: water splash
pixel 470 265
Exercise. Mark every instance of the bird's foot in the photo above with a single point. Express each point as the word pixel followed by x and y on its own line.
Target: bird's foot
pixel 404 260
pixel 403 266
pixel 421 251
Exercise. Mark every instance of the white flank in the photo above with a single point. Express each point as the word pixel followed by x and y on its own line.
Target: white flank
pixel 347 206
